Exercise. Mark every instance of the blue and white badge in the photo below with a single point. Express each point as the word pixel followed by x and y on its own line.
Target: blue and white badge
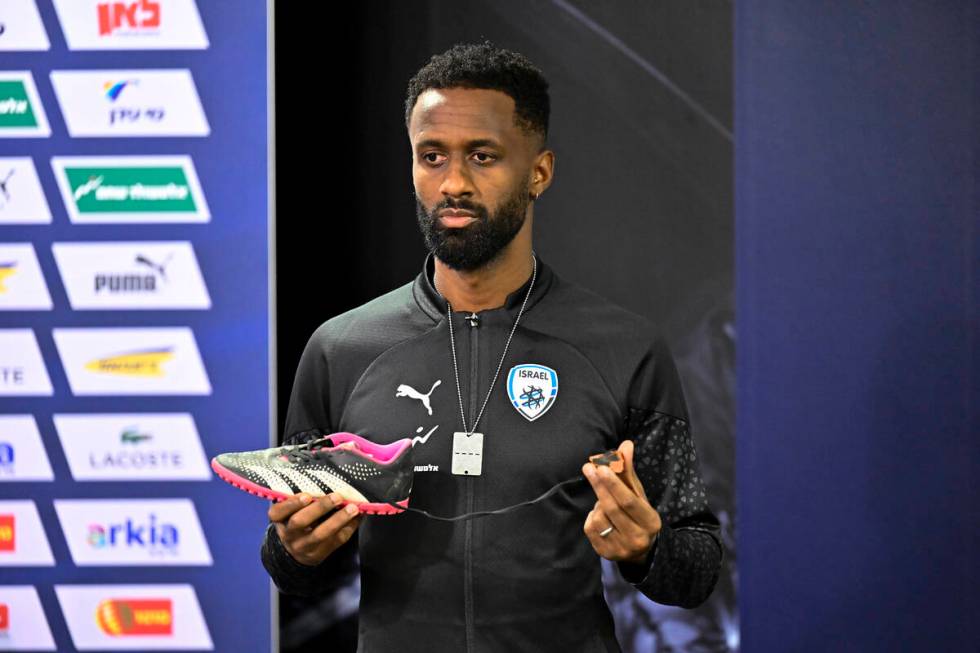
pixel 532 389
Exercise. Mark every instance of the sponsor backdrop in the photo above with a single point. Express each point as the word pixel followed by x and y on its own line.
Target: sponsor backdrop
pixel 134 341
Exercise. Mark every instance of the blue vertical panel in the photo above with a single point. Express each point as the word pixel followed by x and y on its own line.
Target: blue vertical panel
pixel 856 215
pixel 232 334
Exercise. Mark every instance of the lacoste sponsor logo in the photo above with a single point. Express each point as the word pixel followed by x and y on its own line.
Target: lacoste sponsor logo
pixel 137 363
pixel 405 390
pixel 133 436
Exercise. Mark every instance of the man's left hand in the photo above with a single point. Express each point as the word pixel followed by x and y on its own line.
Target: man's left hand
pixel 622 504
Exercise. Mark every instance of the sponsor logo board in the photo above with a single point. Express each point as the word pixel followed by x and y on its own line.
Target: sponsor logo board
pixel 139 361
pixel 131 25
pixel 22 284
pixel 22 199
pixel 23 626
pixel 22 539
pixel 134 617
pixel 151 532
pixel 21 113
pixel 130 189
pixel 22 454
pixel 128 276
pixel 126 103
pixel 132 447
pixel 22 370
pixel 21 27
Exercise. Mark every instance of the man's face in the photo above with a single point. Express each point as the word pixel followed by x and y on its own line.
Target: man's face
pixel 471 168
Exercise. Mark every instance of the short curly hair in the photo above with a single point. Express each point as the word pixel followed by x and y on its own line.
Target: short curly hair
pixel 485 66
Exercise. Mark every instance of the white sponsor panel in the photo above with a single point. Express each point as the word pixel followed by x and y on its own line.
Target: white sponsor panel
pixel 130 189
pixel 133 447
pixel 21 29
pixel 22 370
pixel 129 532
pixel 130 103
pixel 23 626
pixel 162 617
pixel 22 199
pixel 130 275
pixel 22 539
pixel 139 361
pixel 22 454
pixel 22 284
pixel 21 113
pixel 131 24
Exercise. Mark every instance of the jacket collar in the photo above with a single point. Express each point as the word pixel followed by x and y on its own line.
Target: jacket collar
pixel 434 305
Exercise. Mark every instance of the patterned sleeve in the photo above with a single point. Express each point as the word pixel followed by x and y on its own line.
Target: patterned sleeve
pixel 685 561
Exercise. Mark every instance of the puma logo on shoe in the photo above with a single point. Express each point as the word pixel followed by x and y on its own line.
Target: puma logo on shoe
pixel 405 390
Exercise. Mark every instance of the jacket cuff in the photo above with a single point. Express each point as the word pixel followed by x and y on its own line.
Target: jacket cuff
pixel 637 573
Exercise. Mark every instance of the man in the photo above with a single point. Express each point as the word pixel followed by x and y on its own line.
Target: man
pixel 467 360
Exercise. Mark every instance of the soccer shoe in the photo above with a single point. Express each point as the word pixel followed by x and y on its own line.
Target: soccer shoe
pixel 371 476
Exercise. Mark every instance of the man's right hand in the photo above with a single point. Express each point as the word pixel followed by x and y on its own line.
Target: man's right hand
pixel 307 535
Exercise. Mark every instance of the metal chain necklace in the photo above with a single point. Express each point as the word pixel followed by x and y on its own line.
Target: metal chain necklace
pixel 468 444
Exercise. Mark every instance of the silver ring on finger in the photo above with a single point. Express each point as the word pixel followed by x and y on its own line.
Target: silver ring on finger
pixel 606 532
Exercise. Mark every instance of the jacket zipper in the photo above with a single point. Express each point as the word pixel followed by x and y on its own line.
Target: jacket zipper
pixel 474 323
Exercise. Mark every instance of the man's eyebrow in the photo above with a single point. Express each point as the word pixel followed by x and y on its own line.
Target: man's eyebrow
pixel 477 142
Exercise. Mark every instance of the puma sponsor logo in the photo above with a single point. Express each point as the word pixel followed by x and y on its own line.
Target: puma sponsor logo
pixel 405 390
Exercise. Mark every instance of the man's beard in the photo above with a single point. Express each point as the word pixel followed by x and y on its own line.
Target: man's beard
pixel 472 246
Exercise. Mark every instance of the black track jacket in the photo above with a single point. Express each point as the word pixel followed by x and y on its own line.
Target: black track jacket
pixel 528 580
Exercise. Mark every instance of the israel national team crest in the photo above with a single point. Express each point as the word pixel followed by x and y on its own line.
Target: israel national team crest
pixel 532 389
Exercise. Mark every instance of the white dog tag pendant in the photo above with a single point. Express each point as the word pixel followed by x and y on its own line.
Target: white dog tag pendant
pixel 467 453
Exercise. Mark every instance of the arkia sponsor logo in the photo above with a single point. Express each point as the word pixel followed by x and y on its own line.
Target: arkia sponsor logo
pixel 137 275
pixel 150 535
pixel 8 533
pixel 152 532
pixel 21 114
pixel 126 103
pixel 131 24
pixel 130 189
pixel 147 362
pixel 140 617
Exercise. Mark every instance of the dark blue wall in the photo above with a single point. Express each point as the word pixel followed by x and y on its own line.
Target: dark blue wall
pixel 856 228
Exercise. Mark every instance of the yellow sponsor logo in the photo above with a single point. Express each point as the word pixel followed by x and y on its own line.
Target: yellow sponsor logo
pixel 137 363
pixel 6 270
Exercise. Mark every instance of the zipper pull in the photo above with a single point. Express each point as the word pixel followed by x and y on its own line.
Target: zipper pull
pixel 473 319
